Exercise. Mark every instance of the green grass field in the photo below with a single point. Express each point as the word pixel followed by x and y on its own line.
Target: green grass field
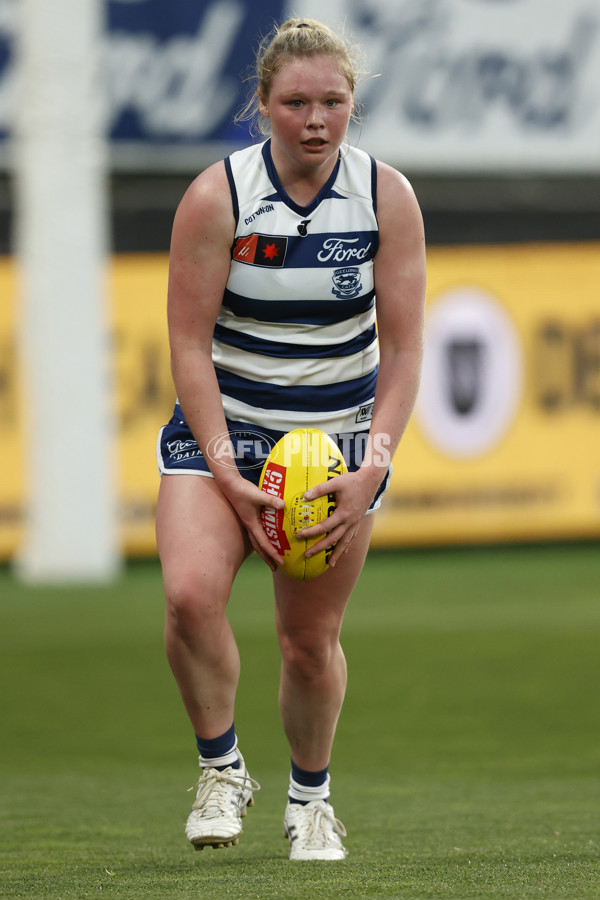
pixel 467 762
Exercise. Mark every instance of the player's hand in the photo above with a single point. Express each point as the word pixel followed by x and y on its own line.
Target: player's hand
pixel 353 495
pixel 248 501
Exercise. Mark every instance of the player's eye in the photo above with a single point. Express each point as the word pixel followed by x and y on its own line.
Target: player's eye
pixel 295 104
pixel 332 103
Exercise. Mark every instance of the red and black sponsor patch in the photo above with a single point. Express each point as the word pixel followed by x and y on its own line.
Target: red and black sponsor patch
pixel 261 250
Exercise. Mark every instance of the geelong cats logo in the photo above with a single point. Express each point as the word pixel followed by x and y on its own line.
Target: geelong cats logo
pixel 346 282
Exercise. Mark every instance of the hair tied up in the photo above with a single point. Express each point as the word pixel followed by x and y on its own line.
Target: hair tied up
pixel 282 45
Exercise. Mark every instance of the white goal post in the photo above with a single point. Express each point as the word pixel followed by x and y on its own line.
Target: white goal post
pixel 61 244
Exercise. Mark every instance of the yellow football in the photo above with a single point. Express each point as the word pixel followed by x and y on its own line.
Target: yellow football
pixel 302 459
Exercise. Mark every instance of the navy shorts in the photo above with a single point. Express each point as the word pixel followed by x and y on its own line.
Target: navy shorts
pixel 178 453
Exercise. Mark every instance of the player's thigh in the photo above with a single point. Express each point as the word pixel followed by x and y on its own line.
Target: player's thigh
pixel 308 611
pixel 201 541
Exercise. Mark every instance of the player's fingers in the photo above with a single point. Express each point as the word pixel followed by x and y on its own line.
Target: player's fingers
pixel 341 547
pixel 265 549
pixel 335 520
pixel 269 500
pixel 313 531
pixel 259 539
pixel 332 486
pixel 265 544
pixel 334 535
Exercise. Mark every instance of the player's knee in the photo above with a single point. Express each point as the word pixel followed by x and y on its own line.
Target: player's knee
pixel 193 602
pixel 308 657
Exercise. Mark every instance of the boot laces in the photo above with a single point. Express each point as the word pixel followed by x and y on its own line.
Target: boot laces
pixel 214 789
pixel 317 826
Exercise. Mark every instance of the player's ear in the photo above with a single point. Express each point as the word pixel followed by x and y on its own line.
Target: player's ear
pixel 263 105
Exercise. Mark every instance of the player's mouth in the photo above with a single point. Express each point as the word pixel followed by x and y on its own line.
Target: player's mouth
pixel 315 143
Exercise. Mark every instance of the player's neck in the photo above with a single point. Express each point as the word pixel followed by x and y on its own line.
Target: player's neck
pixel 302 183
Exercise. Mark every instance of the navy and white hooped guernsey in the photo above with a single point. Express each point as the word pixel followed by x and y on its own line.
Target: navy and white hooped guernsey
pixel 295 343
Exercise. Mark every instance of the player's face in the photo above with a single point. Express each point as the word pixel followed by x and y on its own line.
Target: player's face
pixel 309 107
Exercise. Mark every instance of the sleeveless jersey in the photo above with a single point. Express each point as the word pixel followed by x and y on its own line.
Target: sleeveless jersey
pixel 295 343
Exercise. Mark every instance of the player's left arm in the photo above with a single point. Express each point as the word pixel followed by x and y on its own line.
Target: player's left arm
pixel 400 276
pixel 399 270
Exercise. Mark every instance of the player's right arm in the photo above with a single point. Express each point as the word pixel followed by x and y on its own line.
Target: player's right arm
pixel 203 232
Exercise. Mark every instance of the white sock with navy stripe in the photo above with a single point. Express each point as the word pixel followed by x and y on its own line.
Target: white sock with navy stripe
pixel 306 786
pixel 219 752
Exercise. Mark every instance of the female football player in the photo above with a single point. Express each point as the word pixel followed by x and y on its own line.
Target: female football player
pixel 296 294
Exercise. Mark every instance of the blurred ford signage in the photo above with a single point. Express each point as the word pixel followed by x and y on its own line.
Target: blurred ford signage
pixel 462 85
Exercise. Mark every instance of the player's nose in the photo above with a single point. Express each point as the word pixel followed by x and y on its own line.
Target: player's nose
pixel 314 116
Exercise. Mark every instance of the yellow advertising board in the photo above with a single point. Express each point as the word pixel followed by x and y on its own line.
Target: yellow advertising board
pixel 143 397
pixel 504 443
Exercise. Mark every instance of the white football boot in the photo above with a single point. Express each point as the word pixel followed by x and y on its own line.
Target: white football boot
pixel 313 831
pixel 220 805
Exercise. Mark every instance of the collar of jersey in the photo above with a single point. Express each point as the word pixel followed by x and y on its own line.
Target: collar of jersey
pixel 283 194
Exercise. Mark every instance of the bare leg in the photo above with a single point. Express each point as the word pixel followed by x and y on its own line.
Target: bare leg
pixel 313 673
pixel 201 544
